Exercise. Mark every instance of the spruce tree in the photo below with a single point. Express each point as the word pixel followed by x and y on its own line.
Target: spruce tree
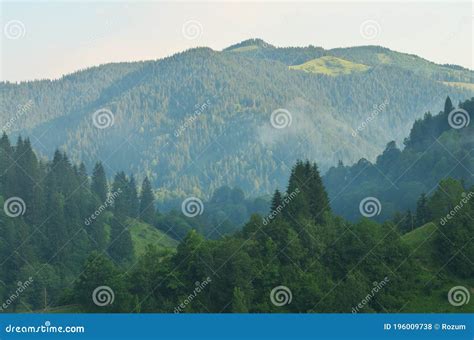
pixel 132 196
pixel 6 169
pixel 121 246
pixel 448 105
pixel 99 182
pixel 147 205
pixel 422 211
pixel 276 201
pixel 318 197
pixel 120 188
pixel 239 305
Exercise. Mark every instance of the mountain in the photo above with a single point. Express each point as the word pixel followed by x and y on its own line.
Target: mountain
pixel 437 147
pixel 189 121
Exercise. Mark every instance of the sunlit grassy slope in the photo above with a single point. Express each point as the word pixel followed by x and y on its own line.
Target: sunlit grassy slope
pixel 467 86
pixel 330 66
pixel 433 297
pixel 144 234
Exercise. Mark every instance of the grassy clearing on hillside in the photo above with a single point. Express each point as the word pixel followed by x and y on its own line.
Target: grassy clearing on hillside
pixel 330 66
pixel 421 242
pixel 433 297
pixel 244 48
pixel 144 234
pixel 467 86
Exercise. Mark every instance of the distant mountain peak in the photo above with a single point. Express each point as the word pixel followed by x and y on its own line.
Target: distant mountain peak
pixel 249 43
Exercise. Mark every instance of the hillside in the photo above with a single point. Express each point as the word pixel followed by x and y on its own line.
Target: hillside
pixel 432 151
pixel 422 244
pixel 144 235
pixel 188 121
pixel 330 66
pixel 74 233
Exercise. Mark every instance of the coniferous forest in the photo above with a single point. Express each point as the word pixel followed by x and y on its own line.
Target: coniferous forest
pixel 245 170
pixel 66 233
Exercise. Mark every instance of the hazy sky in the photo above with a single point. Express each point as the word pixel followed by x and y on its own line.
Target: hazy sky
pixel 46 39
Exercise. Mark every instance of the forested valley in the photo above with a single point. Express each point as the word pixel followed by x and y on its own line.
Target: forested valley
pixel 70 232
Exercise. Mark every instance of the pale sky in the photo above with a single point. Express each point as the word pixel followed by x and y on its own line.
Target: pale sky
pixel 47 39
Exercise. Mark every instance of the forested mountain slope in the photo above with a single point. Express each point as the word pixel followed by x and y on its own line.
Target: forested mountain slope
pixel 188 121
pixel 67 234
pixel 437 147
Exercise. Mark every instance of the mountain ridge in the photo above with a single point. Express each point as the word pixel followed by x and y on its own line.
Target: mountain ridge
pixel 224 101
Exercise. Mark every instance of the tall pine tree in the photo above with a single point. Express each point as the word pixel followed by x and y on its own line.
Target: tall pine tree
pixel 147 202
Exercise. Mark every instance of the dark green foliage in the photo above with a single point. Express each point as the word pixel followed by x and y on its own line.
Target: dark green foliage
pixel 147 202
pixel 433 151
pixel 98 272
pixel 423 214
pixel 276 200
pixel 225 213
pixel 448 106
pixel 306 193
pixel 451 209
pixel 99 182
pixel 65 217
pixel 120 246
pixel 328 264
